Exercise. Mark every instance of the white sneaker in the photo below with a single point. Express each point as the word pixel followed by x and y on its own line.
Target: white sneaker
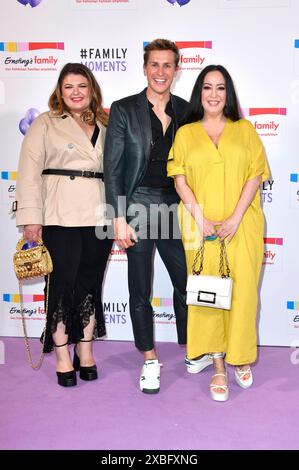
pixel 194 366
pixel 150 376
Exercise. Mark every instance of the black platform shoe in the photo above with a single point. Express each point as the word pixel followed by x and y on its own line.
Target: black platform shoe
pixel 86 372
pixel 66 379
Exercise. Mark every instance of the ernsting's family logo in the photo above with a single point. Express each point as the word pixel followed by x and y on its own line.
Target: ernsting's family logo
pixel 268 122
pixel 8 187
pixel 293 306
pixel 30 312
pixel 273 253
pixel 194 55
pixel 294 190
pixel 32 3
pixel 20 57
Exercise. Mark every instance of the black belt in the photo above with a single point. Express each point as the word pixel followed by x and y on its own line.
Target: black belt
pixel 73 173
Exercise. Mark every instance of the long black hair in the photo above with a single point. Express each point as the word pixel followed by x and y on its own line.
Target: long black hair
pixel 231 109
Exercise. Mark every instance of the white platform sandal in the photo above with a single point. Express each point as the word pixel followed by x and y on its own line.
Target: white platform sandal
pixel 240 374
pixel 215 395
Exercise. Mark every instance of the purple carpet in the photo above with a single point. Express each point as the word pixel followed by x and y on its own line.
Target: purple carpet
pixel 111 413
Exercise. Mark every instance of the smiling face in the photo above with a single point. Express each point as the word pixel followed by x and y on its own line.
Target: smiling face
pixel 76 92
pixel 213 94
pixel 160 71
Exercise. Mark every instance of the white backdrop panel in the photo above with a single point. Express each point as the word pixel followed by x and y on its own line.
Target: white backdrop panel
pixel 257 40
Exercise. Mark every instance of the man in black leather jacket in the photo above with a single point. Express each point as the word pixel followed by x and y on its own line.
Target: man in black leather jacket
pixel 139 136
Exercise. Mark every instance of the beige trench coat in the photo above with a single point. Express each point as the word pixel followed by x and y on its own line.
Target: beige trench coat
pixel 59 142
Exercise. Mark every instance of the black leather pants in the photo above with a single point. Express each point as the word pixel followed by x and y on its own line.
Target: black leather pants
pixel 151 233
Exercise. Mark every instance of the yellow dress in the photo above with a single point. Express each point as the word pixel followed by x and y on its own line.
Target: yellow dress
pixel 217 176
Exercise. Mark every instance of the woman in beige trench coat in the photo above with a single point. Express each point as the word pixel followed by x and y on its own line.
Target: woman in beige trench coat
pixel 60 194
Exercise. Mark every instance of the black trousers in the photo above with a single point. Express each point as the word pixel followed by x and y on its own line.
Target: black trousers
pixel 79 263
pixel 152 232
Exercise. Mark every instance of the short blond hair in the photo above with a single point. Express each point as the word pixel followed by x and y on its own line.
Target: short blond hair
pixel 161 45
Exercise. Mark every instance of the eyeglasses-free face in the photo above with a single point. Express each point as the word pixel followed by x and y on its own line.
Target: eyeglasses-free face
pixel 76 93
pixel 160 71
pixel 213 94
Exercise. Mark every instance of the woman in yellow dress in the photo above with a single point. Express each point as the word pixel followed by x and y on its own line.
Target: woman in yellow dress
pixel 218 163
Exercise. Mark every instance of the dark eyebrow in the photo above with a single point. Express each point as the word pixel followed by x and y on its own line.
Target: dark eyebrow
pixel 207 83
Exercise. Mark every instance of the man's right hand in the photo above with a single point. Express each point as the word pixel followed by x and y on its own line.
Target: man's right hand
pixel 124 235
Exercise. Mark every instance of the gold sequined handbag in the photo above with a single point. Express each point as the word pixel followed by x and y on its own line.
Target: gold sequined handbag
pixel 30 263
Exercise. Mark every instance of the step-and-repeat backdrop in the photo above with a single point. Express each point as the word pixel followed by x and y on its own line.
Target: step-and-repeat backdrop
pixel 258 42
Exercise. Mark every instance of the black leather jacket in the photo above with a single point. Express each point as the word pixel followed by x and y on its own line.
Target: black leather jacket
pixel 128 145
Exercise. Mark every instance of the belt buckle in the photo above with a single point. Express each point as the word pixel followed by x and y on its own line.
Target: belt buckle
pixel 88 174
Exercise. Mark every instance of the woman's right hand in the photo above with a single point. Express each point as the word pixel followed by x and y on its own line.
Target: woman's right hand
pixel 32 232
pixel 208 227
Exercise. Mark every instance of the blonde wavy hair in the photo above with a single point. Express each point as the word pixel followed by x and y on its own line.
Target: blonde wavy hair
pixel 96 111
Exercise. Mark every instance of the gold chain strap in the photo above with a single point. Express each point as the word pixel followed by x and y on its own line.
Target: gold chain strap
pixel 27 347
pixel 223 260
pixel 199 253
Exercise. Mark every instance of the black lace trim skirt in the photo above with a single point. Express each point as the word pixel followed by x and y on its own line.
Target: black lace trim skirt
pixel 75 287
